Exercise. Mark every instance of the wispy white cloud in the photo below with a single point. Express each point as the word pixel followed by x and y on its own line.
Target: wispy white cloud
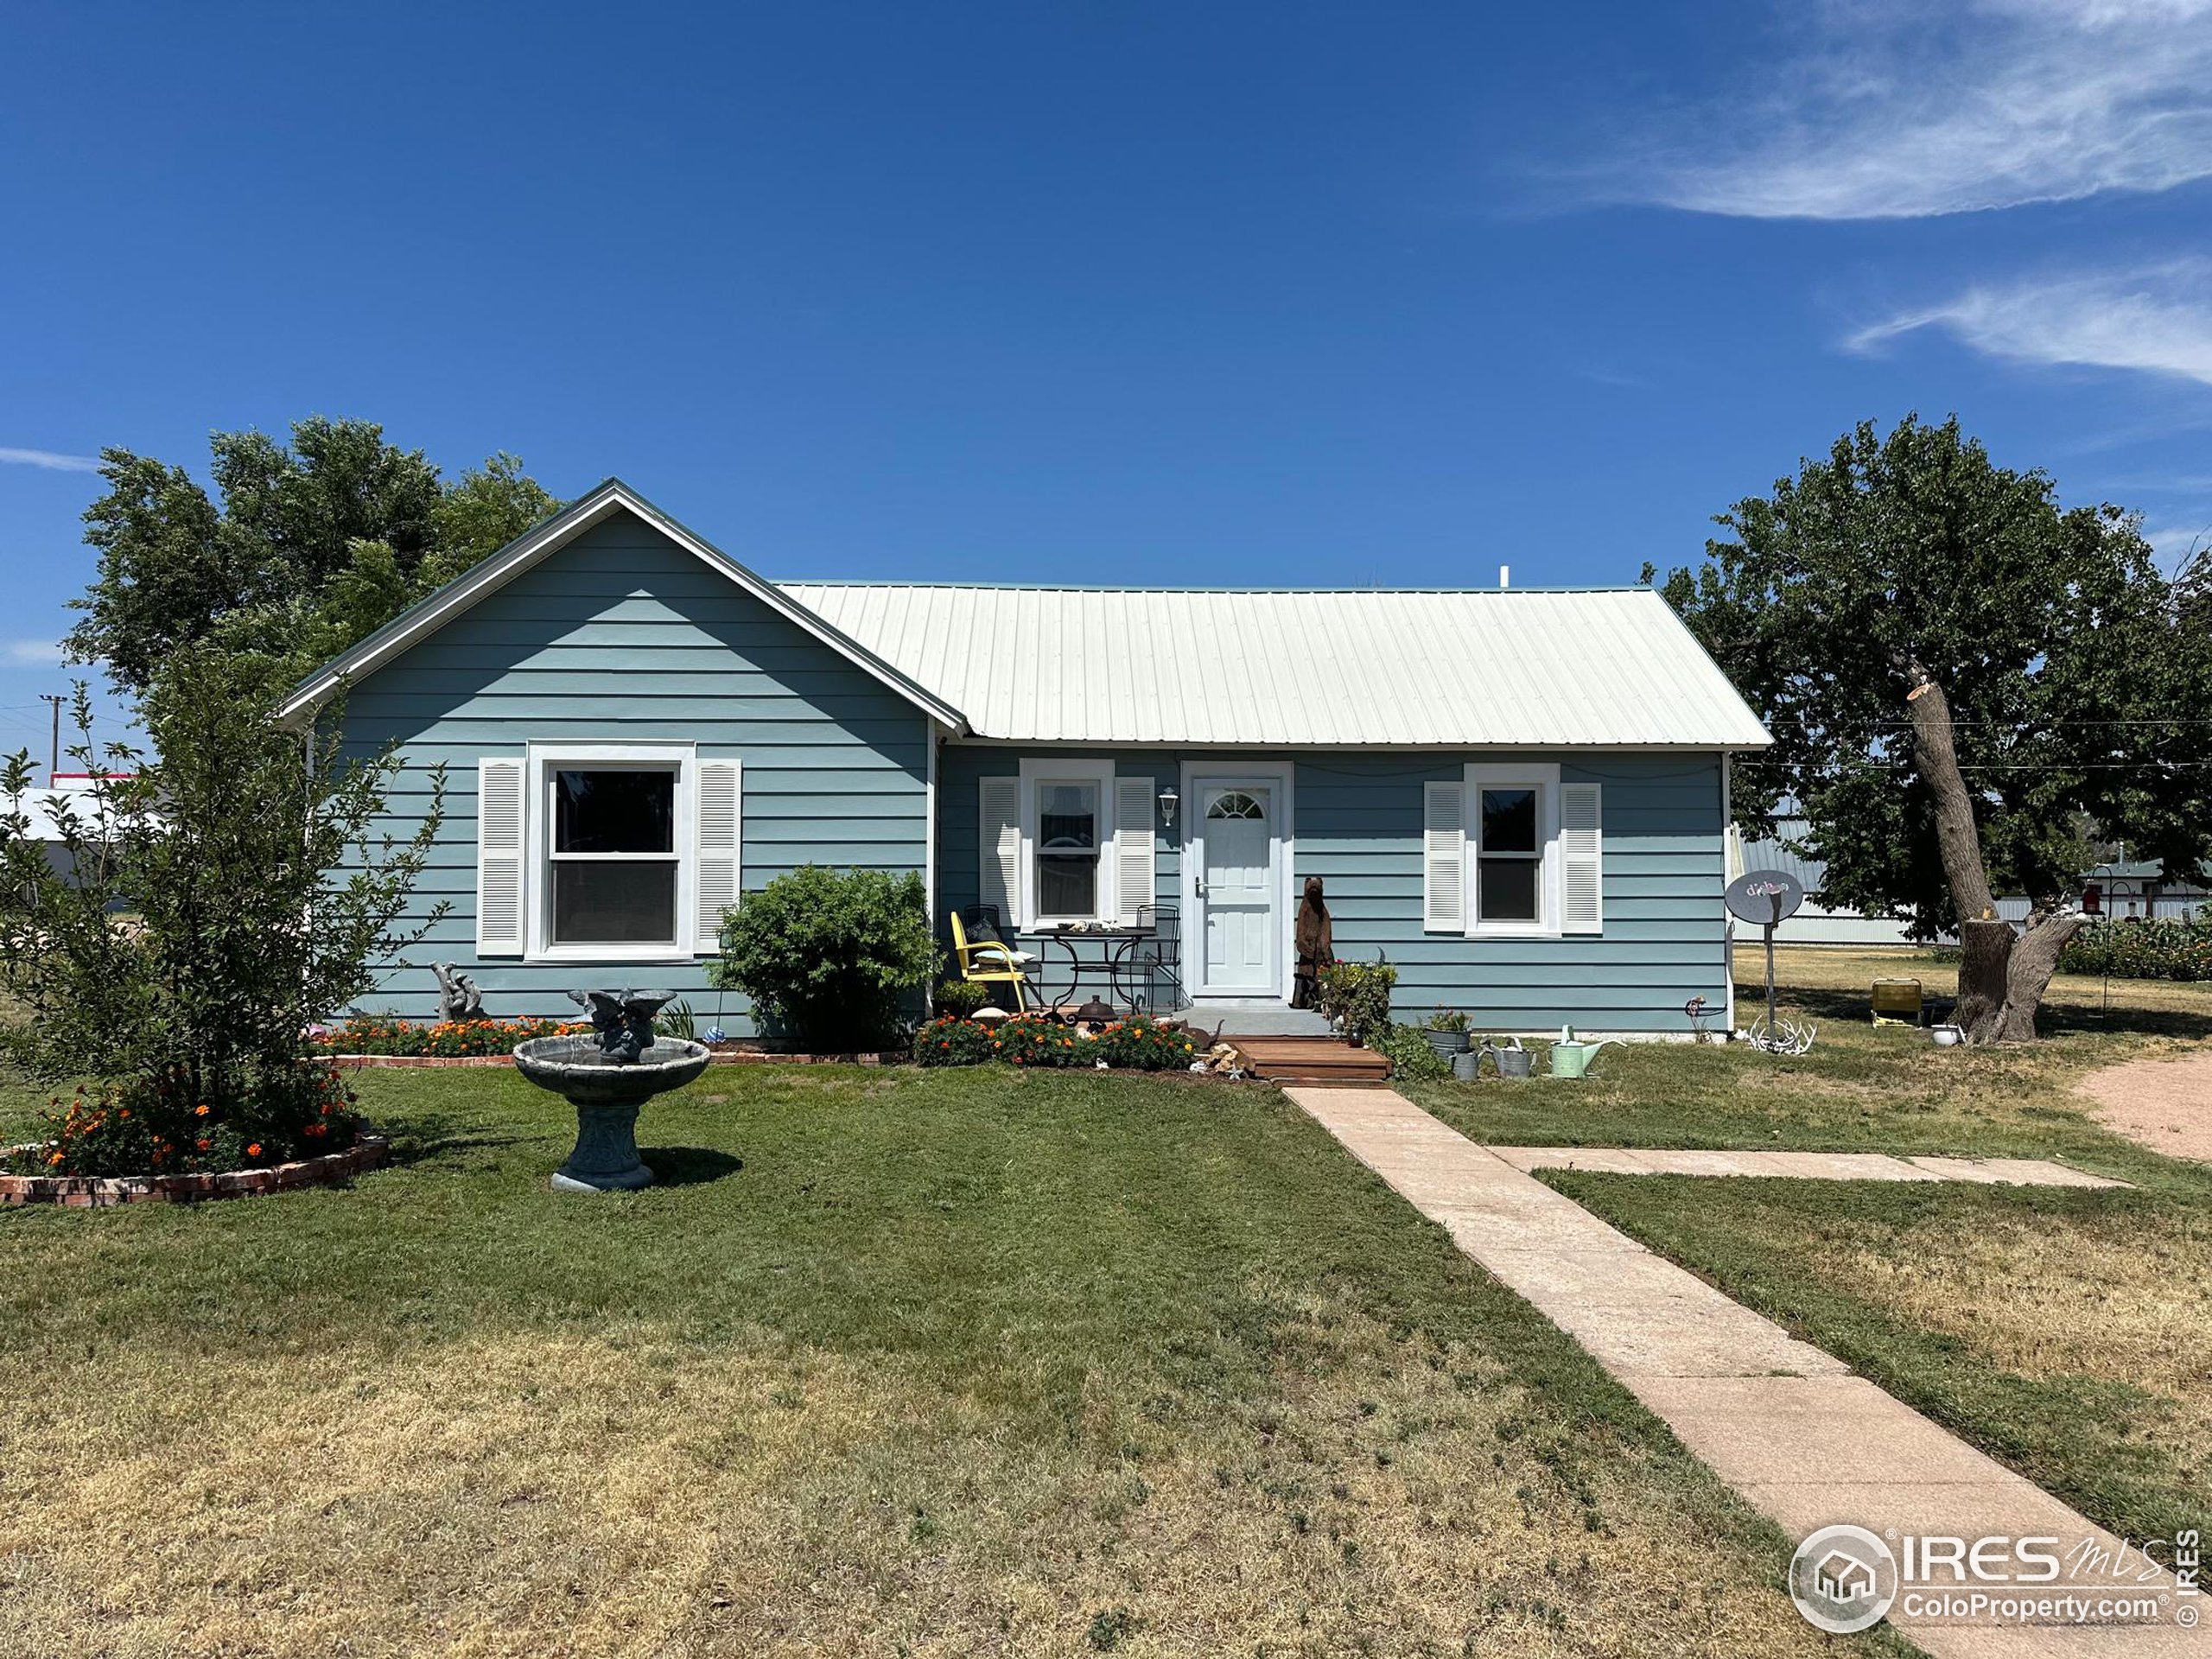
pixel 2157 319
pixel 50 460
pixel 1893 109
pixel 2175 545
pixel 30 653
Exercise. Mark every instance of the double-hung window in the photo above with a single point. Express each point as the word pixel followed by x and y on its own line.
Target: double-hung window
pixel 1067 847
pixel 615 869
pixel 1510 854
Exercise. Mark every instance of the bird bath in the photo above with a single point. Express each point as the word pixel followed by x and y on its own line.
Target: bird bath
pixel 607 1076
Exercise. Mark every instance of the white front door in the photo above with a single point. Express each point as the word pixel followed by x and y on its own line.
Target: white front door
pixel 1236 886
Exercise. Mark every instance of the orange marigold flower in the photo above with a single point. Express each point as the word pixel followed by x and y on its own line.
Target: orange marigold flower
pixel 254 1151
pixel 203 1143
pixel 199 1111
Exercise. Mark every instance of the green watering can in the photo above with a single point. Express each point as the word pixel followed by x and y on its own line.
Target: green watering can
pixel 1571 1058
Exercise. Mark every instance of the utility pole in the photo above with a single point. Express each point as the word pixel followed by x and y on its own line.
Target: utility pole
pixel 53 762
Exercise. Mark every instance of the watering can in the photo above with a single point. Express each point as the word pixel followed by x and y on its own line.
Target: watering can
pixel 1571 1058
pixel 1512 1061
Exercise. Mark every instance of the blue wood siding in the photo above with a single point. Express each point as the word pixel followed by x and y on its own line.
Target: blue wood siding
pixel 1358 822
pixel 623 636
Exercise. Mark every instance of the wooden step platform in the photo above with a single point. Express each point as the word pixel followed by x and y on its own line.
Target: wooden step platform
pixel 1310 1059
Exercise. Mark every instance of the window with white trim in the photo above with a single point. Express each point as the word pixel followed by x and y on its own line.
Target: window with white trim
pixel 1510 850
pixel 1064 840
pixel 615 852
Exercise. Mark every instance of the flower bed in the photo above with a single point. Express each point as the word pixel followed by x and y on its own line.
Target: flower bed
pixel 1138 1043
pixel 446 1039
pixel 101 1191
pixel 161 1125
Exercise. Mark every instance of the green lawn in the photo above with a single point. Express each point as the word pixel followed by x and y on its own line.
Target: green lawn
pixel 1860 1089
pixel 2068 1334
pixel 894 1362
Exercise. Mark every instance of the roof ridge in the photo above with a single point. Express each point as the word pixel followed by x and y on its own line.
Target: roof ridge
pixel 1143 587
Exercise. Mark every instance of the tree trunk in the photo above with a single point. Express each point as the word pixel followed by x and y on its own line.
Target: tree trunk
pixel 1957 836
pixel 1985 977
pixel 2034 959
pixel 2001 979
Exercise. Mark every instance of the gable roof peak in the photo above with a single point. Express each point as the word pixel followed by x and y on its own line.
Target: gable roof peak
pixel 548 536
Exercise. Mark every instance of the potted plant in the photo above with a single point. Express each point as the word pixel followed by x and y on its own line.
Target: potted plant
pixel 1446 1031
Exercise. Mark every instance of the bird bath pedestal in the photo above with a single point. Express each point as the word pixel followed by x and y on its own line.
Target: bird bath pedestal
pixel 607 1076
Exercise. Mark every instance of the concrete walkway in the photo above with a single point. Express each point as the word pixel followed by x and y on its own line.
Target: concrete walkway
pixel 1782 1422
pixel 1800 1166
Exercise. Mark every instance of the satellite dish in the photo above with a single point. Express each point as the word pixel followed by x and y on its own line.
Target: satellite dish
pixel 1764 897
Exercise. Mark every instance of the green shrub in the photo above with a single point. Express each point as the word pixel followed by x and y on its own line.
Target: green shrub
pixel 1032 1040
pixel 953 1042
pixel 2142 949
pixel 831 956
pixel 1446 1020
pixel 958 999
pixel 1356 996
pixel 1410 1054
pixel 1144 1045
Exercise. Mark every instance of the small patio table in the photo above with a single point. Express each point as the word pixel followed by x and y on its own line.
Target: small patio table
pixel 1106 967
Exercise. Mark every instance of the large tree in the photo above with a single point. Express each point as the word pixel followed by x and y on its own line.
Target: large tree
pixel 315 544
pixel 1965 682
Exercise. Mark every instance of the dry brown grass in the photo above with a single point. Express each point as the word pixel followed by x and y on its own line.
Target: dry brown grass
pixel 2121 1296
pixel 636 1494
pixel 1854 968
pixel 928 1363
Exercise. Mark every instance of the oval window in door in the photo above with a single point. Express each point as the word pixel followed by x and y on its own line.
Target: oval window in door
pixel 1235 804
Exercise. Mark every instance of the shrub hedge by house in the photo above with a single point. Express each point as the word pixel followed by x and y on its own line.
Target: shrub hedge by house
pixel 834 957
pixel 447 1039
pixel 2141 949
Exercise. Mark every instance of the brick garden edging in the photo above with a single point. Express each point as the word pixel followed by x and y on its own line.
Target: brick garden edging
pixel 101 1191
pixel 718 1055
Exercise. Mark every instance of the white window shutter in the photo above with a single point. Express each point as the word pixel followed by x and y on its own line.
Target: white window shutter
pixel 1582 858
pixel 1133 876
pixel 998 840
pixel 1444 858
pixel 499 805
pixel 719 832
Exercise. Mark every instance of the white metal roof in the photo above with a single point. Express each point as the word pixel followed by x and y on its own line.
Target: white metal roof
pixel 1496 668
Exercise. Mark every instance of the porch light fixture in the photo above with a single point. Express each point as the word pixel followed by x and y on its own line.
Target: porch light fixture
pixel 1167 798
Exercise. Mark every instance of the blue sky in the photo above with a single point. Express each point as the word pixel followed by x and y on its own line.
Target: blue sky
pixel 1123 293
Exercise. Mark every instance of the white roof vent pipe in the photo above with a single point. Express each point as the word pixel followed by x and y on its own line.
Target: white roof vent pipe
pixel 1504 578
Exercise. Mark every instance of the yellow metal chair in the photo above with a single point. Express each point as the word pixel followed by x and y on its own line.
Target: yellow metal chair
pixel 988 959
